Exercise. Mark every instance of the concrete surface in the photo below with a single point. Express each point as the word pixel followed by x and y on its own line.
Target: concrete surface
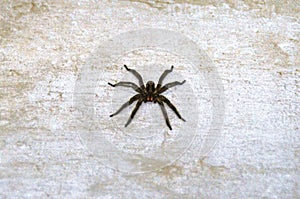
pixel 51 147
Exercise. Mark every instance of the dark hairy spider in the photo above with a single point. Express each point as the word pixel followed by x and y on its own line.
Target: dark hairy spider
pixel 150 93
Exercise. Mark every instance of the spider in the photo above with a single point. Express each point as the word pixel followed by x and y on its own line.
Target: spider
pixel 150 93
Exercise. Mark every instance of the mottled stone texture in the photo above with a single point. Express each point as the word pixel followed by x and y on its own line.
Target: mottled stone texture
pixel 254 45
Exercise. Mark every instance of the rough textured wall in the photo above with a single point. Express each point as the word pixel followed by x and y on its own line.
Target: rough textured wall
pixel 47 45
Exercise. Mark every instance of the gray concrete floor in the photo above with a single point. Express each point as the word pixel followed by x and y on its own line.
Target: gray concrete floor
pixel 240 99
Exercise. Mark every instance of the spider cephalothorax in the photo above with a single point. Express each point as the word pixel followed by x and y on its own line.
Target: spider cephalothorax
pixel 150 93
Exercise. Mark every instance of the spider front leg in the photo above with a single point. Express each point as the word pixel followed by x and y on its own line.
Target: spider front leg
pixel 170 85
pixel 163 109
pixel 162 77
pixel 137 106
pixel 164 99
pixel 127 84
pixel 134 98
pixel 137 75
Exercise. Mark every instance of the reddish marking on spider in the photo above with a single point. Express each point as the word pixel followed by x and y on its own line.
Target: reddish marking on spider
pixel 149 99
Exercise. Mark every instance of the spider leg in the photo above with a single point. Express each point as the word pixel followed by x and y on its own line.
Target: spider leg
pixel 162 77
pixel 164 99
pixel 163 109
pixel 127 84
pixel 134 98
pixel 170 85
pixel 137 75
pixel 137 106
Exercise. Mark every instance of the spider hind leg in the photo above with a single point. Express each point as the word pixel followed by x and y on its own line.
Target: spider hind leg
pixel 137 106
pixel 134 98
pixel 167 101
pixel 165 114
